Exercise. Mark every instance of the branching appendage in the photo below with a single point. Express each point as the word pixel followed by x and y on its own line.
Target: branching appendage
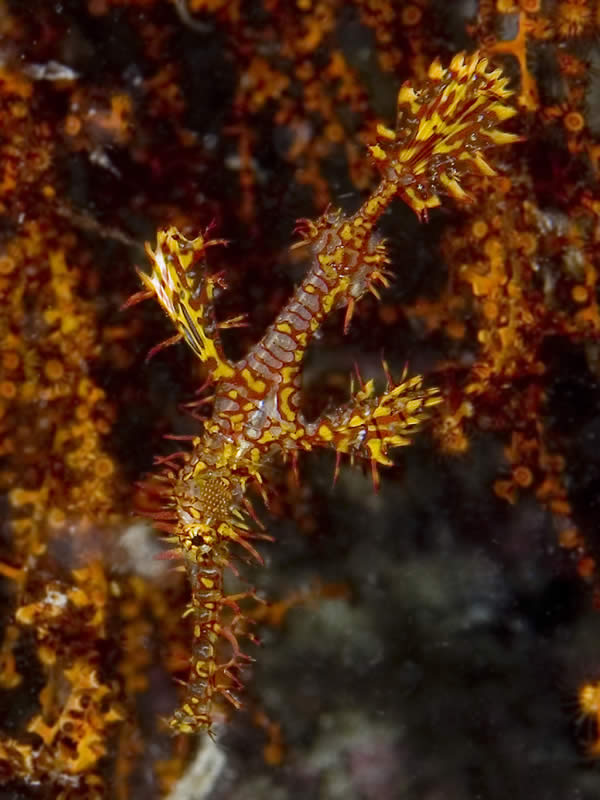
pixel 443 130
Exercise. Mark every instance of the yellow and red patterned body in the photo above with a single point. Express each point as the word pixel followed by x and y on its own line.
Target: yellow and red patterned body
pixel 257 415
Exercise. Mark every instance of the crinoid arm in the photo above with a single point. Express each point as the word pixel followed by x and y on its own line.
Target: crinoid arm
pixel 370 424
pixel 184 288
pixel 443 129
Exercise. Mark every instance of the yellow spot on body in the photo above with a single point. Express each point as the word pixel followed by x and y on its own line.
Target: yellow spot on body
pixel 284 395
pixel 397 441
pixel 372 206
pixel 430 125
pixel 346 232
pixel 408 96
pixel 501 137
pixel 503 112
pixel 328 301
pixel 453 187
pixel 483 165
pixel 377 152
pixel 413 405
pixel 436 71
pixel 325 433
pixel 256 384
pixel 288 374
pixel 376 451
